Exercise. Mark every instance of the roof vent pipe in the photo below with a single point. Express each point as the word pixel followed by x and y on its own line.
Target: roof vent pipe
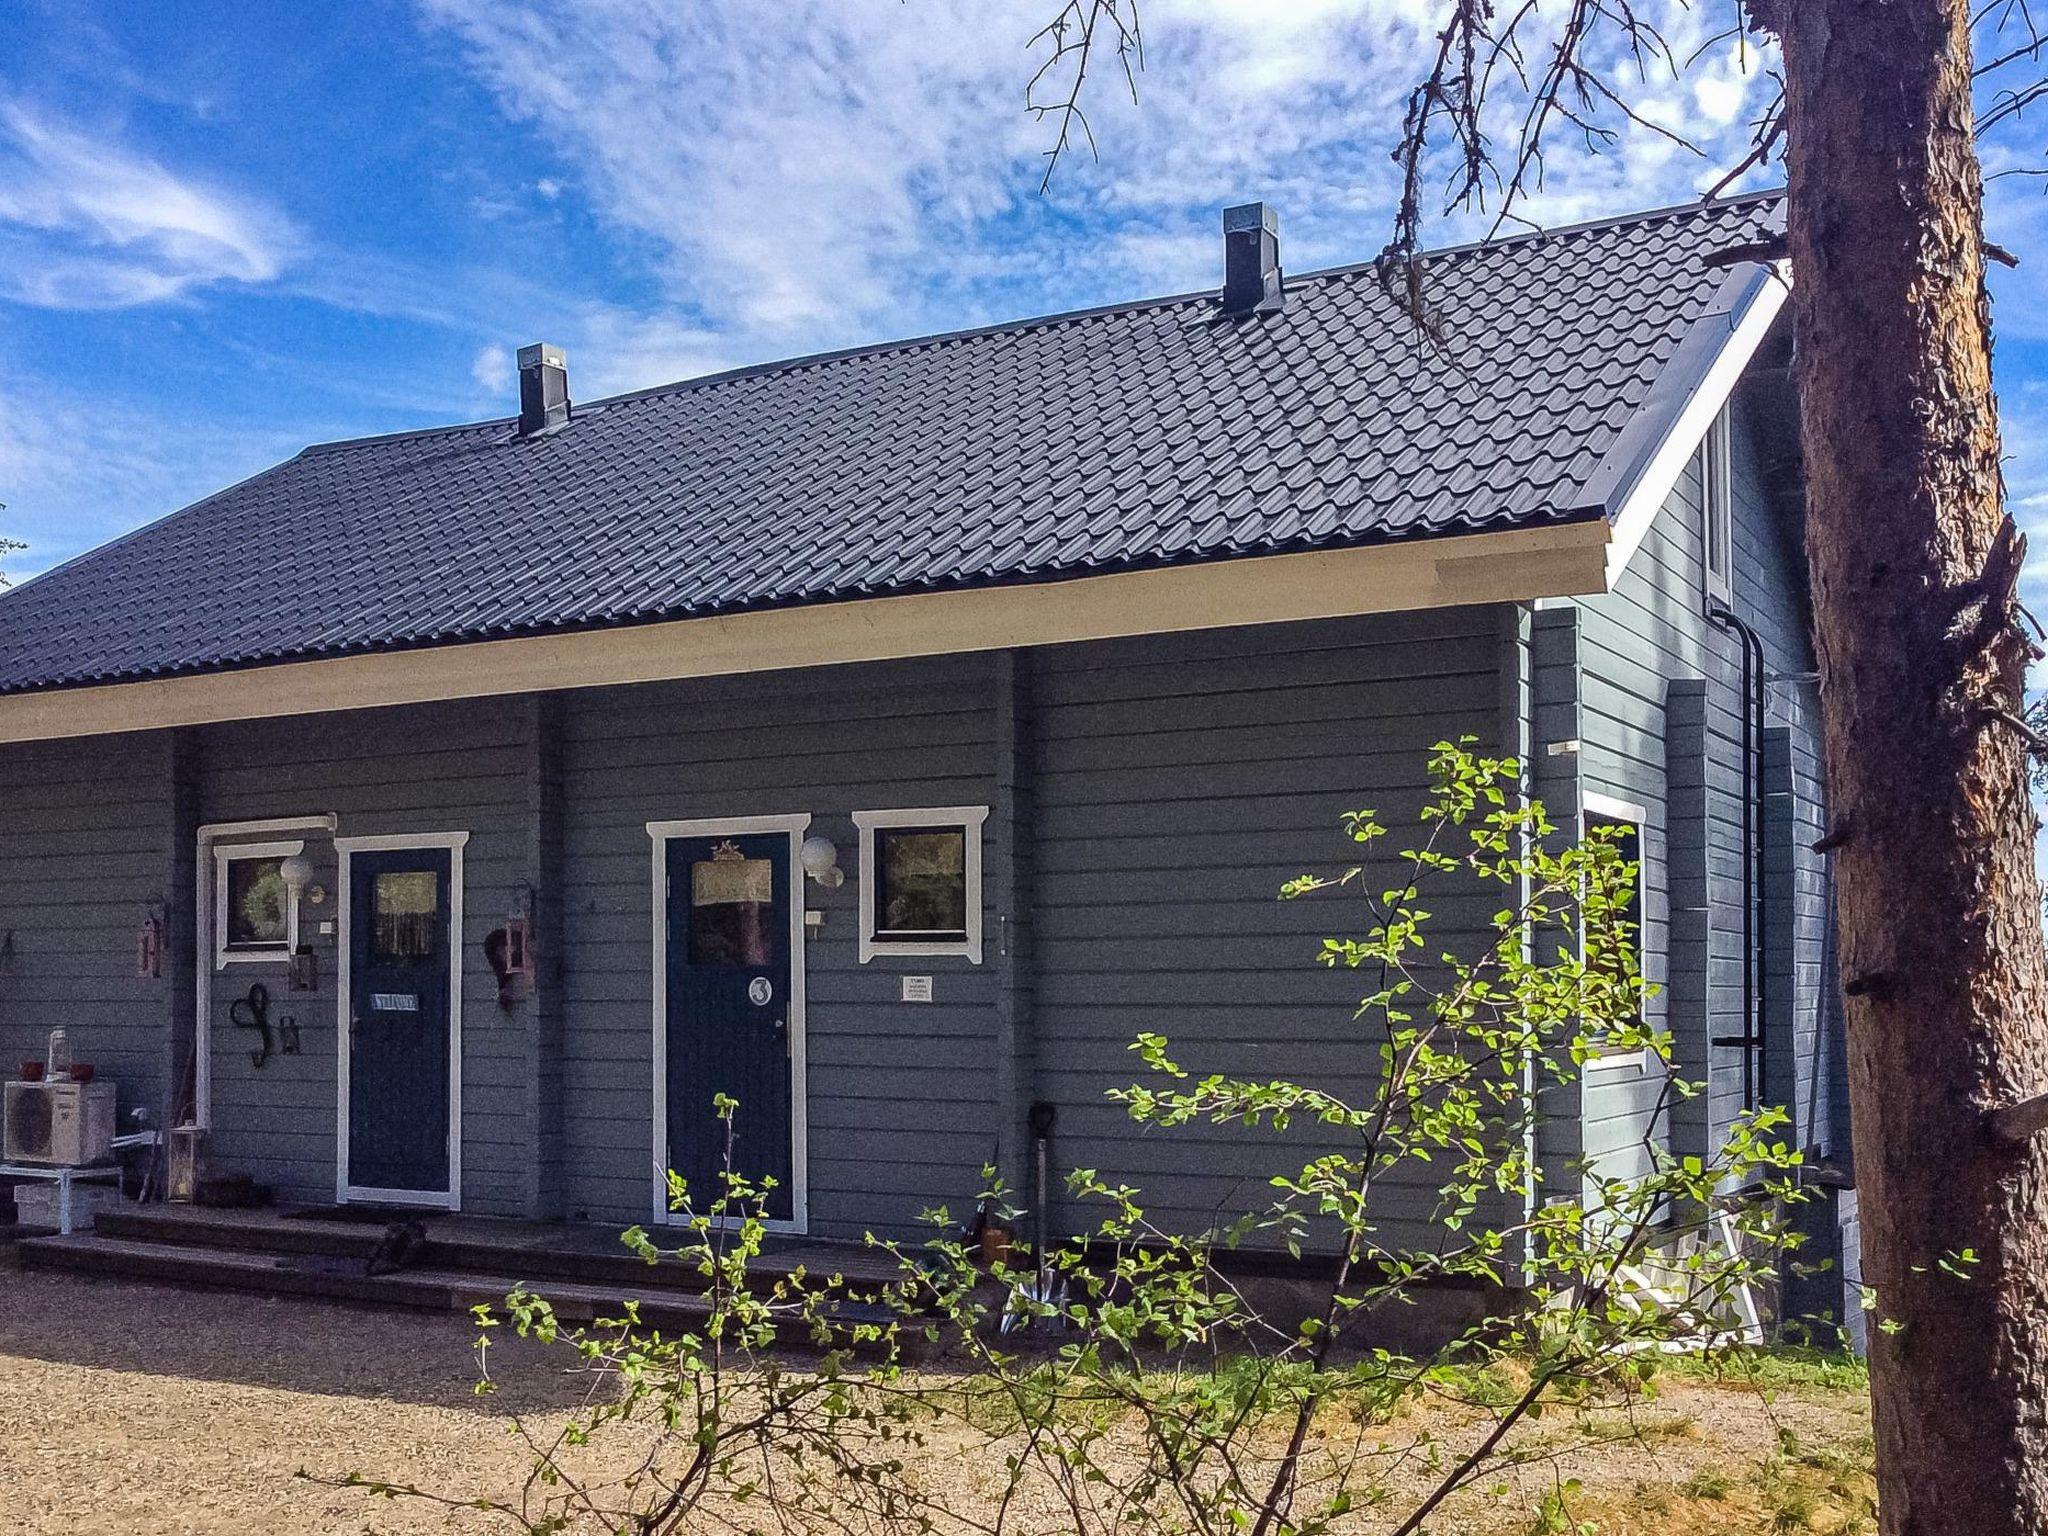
pixel 543 389
pixel 1252 283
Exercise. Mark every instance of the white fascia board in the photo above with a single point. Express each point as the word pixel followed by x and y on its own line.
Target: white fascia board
pixel 1513 565
pixel 1643 466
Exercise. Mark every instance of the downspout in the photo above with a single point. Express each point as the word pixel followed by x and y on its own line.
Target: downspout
pixel 1754 913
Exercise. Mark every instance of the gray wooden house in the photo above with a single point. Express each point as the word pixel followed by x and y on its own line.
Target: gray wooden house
pixel 887 737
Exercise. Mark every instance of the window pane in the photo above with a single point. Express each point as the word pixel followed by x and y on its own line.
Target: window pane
pixel 921 881
pixel 405 910
pixel 1627 840
pixel 732 905
pixel 1717 491
pixel 256 903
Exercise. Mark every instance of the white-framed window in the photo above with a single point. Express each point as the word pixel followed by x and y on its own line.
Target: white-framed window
pixel 920 881
pixel 1717 509
pixel 255 914
pixel 1626 822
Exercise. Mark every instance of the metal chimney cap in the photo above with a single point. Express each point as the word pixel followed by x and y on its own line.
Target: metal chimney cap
pixel 1260 216
pixel 543 390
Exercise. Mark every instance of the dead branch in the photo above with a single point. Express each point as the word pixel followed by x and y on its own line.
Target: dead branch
pixel 1762 251
pixel 1073 37
pixel 2019 1122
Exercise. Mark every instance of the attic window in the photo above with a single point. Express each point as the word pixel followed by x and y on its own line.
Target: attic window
pixel 920 886
pixel 1717 510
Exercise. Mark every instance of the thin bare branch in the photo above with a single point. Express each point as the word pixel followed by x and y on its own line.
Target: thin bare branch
pixel 1073 39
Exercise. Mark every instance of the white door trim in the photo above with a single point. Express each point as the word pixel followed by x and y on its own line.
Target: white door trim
pixel 793 826
pixel 203 942
pixel 344 848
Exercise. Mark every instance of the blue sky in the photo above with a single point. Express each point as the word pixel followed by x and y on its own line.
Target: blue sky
pixel 227 231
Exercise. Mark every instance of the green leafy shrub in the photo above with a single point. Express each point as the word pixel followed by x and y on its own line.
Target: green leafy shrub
pixel 1130 1380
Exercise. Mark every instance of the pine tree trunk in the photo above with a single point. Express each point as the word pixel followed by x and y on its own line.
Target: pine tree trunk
pixel 1940 920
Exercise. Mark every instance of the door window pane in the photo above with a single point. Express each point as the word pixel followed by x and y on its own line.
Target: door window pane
pixel 921 881
pixel 256 904
pixel 732 911
pixel 405 912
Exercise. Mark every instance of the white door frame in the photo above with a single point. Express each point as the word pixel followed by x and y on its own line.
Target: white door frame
pixel 345 847
pixel 793 826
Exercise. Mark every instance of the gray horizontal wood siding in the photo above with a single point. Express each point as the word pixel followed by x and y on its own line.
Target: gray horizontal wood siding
pixel 1148 797
pixel 1663 727
pixel 88 853
pixel 902 1097
pixel 460 767
pixel 1178 781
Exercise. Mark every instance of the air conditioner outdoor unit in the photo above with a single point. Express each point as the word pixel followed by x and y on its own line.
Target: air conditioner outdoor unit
pixel 65 1124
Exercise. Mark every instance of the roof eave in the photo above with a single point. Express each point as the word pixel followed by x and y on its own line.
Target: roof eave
pixel 1515 565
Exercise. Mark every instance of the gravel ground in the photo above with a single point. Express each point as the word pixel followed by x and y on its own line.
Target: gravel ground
pixel 129 1408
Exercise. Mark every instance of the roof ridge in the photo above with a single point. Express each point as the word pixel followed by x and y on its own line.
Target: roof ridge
pixel 906 344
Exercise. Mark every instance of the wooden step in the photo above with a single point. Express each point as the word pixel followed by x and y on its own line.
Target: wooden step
pixel 531 1251
pixel 194 1228
pixel 343 1279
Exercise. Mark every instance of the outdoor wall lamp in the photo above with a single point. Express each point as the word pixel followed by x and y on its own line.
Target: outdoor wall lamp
pixel 302 968
pixel 820 860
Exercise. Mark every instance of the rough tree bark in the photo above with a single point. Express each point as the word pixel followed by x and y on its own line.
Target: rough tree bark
pixel 1923 662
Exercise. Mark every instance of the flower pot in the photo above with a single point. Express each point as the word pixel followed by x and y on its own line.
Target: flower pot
pixel 31 1071
pixel 81 1071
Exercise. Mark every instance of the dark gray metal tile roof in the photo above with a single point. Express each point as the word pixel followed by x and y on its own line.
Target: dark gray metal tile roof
pixel 1142 435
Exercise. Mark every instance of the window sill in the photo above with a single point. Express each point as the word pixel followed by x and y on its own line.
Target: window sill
pixel 879 948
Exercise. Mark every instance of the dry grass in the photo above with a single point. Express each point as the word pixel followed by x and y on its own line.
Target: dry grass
pixel 127 1408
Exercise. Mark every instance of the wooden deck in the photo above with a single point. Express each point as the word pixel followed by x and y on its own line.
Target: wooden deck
pixel 582 1269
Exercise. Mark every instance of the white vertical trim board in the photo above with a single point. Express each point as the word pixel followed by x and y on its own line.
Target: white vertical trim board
pixel 793 827
pixel 970 819
pixel 344 1191
pixel 204 941
pixel 1594 804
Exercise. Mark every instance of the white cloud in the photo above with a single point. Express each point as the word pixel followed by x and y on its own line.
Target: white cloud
pixel 822 172
pixel 79 470
pixel 492 369
pixel 618 350
pixel 85 224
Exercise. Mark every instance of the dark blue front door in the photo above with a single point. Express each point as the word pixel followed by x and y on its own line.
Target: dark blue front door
pixel 398 1020
pixel 729 1011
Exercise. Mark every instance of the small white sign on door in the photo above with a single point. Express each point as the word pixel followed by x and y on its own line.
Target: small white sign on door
pixel 917 989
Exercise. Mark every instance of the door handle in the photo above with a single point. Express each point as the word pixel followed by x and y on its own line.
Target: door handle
pixel 781 1027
